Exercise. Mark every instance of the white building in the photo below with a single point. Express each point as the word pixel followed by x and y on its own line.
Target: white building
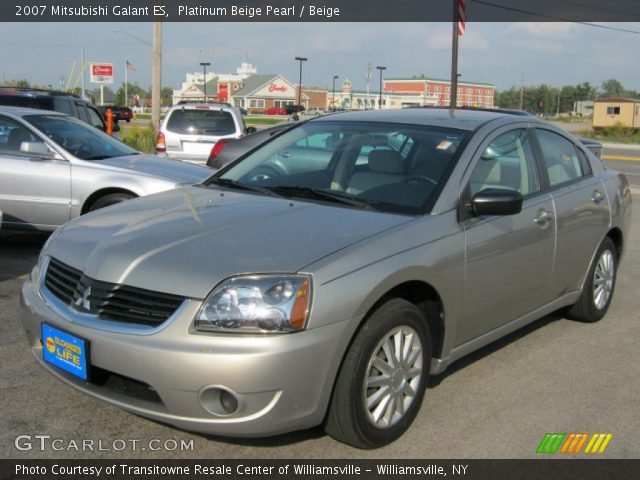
pixel 217 86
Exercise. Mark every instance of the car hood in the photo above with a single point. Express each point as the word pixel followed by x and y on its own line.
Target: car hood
pixel 187 240
pixel 160 167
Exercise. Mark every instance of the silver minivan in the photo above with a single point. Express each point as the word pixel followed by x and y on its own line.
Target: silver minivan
pixel 190 131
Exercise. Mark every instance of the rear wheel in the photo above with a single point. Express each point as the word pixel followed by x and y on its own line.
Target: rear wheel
pixel 597 291
pixel 110 199
pixel 381 384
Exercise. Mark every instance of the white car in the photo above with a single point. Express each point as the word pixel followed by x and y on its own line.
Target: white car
pixel 54 167
pixel 190 131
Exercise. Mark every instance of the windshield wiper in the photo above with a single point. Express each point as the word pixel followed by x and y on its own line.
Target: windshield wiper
pixel 308 192
pixel 227 182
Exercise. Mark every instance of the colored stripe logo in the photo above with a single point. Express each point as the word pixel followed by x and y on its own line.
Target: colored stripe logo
pixel 574 443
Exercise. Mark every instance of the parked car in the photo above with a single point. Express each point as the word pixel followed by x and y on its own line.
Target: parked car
pixel 387 245
pixel 230 149
pixel 56 101
pixel 119 113
pixel 54 167
pixel 190 131
pixel 275 111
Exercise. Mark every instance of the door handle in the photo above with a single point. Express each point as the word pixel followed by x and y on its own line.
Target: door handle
pixel 543 217
pixel 285 154
pixel 597 196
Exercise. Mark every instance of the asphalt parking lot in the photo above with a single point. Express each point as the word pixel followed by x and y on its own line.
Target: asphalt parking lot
pixel 554 376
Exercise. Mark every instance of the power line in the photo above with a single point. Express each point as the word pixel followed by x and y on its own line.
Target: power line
pixel 542 15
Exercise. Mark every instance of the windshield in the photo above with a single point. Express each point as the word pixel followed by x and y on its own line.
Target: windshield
pixel 387 167
pixel 78 138
pixel 201 122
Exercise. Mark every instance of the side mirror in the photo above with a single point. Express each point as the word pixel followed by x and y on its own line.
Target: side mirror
pixel 37 149
pixel 496 201
pixel 251 130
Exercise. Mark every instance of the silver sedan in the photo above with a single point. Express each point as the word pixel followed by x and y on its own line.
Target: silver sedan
pixel 54 168
pixel 323 277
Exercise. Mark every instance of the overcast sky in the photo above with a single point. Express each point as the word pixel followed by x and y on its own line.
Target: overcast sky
pixel 498 53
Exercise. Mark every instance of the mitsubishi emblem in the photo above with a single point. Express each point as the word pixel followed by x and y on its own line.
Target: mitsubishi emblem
pixel 83 301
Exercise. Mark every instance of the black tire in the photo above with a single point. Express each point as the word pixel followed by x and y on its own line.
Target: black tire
pixel 349 420
pixel 108 200
pixel 588 308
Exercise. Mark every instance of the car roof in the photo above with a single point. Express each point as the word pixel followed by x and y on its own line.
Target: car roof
pixel 202 106
pixel 24 111
pixel 460 118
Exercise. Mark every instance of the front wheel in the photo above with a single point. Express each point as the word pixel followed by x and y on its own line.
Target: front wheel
pixel 381 383
pixel 597 291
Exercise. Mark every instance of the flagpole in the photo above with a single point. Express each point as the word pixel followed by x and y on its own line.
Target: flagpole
pixel 454 58
pixel 126 81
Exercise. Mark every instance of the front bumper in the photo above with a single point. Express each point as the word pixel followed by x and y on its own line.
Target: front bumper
pixel 281 382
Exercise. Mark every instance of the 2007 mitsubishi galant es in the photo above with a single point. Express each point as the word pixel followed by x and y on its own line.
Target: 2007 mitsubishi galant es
pixel 323 276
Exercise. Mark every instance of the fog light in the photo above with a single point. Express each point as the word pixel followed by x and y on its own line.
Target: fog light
pixel 219 401
pixel 228 401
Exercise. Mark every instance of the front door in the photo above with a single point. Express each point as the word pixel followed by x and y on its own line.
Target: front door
pixel 33 190
pixel 509 259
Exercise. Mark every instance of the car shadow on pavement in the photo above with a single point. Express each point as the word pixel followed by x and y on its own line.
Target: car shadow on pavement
pixel 19 252
pixel 435 380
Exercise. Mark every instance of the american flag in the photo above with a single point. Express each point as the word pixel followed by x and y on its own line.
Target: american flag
pixel 462 16
pixel 130 67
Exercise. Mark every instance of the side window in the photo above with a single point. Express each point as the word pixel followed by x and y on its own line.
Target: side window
pixel 560 158
pixel 12 134
pixel 63 105
pixel 507 163
pixel 95 119
pixel 82 112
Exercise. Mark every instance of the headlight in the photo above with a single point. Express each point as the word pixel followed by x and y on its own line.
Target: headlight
pixel 257 304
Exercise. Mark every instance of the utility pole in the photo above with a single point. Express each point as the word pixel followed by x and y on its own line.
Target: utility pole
pixel 381 68
pixel 300 59
pixel 453 103
pixel 204 66
pixel 82 70
pixel 333 99
pixel 369 70
pixel 156 73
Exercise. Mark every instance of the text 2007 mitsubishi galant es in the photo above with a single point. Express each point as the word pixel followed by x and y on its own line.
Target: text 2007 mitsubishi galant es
pixel 323 276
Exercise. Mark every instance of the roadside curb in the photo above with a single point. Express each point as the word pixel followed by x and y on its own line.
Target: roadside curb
pixel 621 146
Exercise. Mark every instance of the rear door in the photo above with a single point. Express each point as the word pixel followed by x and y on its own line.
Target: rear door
pixel 33 190
pixel 509 259
pixel 191 132
pixel 581 205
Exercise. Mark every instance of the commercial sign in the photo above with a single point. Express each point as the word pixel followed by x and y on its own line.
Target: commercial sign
pixel 278 87
pixel 101 72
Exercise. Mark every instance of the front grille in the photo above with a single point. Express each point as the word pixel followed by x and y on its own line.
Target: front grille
pixel 109 301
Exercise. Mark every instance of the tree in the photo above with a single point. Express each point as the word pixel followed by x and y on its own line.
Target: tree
pixel 166 95
pixel 612 88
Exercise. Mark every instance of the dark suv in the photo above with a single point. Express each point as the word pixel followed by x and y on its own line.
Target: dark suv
pixel 53 100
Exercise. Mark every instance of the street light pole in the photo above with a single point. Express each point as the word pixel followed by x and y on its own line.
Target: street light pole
pixel 333 100
pixel 204 66
pixel 300 59
pixel 381 68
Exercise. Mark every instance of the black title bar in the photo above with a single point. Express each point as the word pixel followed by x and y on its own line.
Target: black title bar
pixel 315 10
pixel 119 469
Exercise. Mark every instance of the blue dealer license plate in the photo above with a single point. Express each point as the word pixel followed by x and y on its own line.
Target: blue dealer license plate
pixel 65 351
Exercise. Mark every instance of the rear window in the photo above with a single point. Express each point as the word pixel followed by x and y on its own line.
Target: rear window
pixel 201 122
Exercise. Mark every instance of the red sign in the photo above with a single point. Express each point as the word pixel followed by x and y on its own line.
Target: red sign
pixel 102 69
pixel 101 73
pixel 275 88
pixel 223 92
